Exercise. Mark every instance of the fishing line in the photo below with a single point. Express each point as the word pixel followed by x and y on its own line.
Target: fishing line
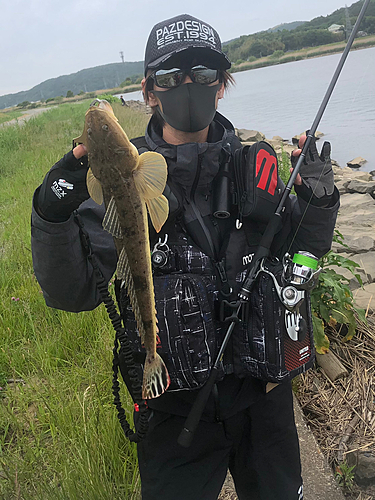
pixel 307 207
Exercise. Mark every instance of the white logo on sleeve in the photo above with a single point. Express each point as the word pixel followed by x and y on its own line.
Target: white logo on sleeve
pixel 65 184
pixel 59 186
pixel 300 493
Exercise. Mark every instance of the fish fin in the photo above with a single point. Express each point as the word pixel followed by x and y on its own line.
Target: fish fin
pixel 94 187
pixel 124 273
pixel 111 221
pixel 158 209
pixel 150 176
pixel 155 377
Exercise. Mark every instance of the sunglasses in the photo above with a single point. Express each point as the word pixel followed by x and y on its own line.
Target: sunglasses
pixel 170 78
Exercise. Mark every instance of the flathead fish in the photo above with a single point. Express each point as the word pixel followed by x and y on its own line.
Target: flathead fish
pixel 128 183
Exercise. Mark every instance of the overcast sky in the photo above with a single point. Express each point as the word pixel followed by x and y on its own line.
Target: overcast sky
pixel 41 39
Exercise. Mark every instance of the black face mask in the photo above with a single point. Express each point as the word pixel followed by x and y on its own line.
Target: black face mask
pixel 190 107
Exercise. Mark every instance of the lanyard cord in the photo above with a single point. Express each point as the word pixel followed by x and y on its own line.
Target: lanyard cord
pixel 122 341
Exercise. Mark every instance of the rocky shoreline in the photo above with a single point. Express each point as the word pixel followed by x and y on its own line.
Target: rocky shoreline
pixel 356 219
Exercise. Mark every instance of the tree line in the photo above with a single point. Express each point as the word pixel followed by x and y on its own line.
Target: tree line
pixel 309 34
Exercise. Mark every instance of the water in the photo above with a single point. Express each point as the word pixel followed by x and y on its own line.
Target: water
pixel 284 99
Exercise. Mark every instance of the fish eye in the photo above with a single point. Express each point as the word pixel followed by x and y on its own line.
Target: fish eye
pixel 89 131
pixel 105 127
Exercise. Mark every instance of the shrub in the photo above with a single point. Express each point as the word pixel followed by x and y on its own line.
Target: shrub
pixel 277 54
pixel 332 300
pixel 23 104
pixel 69 94
pixel 108 97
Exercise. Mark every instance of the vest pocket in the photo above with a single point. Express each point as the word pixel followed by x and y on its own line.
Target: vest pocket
pixel 187 332
pixel 262 345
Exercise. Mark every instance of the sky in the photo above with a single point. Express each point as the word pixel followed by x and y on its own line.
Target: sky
pixel 41 39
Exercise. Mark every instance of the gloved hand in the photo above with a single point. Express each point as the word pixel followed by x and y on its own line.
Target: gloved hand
pixel 316 170
pixel 64 187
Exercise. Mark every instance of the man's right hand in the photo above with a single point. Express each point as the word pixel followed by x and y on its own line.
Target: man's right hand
pixel 64 186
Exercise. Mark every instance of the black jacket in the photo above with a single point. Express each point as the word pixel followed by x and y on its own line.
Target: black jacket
pixel 66 277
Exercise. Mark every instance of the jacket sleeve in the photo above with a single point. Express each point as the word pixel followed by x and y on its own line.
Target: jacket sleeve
pixel 60 263
pixel 311 226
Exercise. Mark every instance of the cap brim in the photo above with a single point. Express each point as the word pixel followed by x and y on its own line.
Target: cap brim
pixel 210 55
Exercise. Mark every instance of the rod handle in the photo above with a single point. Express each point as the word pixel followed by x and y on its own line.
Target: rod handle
pixel 186 436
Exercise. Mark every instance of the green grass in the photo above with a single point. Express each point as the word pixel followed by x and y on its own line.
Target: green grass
pixel 6 116
pixel 59 434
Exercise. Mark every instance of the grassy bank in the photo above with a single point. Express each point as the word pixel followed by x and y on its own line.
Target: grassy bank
pixel 6 116
pixel 307 53
pixel 59 435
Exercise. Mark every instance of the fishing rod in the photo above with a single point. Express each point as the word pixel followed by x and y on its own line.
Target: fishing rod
pixel 263 250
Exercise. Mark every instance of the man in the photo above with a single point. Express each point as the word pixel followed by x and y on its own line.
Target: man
pixel 245 426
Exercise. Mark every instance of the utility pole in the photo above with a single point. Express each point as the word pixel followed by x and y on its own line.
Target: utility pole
pixel 122 56
pixel 349 28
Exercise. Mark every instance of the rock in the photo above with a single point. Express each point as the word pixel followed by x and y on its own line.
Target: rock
pixel 250 135
pixel 341 186
pixel 353 282
pixel 356 218
pixel 362 176
pixel 288 148
pixel 364 460
pixel 366 261
pixel 349 174
pixel 358 244
pixel 296 138
pixel 275 144
pixel 279 139
pixel 359 186
pixel 139 106
pixel 365 298
pixel 357 162
pixel 336 169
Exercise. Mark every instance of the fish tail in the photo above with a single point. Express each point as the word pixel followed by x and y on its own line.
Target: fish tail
pixel 155 377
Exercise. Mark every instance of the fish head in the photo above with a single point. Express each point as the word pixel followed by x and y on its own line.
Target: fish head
pixel 106 142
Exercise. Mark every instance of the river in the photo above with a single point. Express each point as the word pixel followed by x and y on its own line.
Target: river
pixel 284 99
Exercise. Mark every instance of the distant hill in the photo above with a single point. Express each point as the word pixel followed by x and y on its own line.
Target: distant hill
pixel 87 80
pixel 338 17
pixel 279 27
pixel 282 38
pixel 286 26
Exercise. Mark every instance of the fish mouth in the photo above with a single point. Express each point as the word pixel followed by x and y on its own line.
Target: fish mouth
pixel 102 104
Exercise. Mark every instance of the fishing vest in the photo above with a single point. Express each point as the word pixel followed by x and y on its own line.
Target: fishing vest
pixel 199 263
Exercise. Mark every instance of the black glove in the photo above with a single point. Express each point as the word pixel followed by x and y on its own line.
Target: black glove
pixel 63 189
pixel 316 171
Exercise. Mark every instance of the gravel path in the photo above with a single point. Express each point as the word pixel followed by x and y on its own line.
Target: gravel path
pixel 25 117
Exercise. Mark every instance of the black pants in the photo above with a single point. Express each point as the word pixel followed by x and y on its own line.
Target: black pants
pixel 259 446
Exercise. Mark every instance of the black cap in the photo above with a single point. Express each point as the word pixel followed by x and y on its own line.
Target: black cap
pixel 183 35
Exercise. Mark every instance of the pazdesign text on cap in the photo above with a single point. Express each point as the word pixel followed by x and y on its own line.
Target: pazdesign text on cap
pixel 184 30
